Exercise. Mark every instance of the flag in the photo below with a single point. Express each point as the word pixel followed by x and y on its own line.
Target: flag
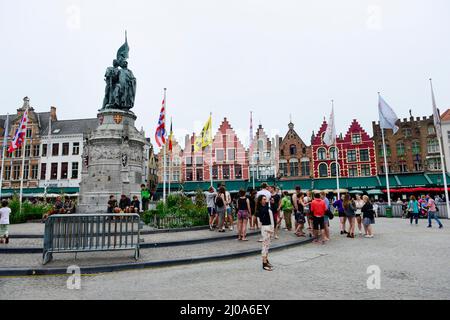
pixel 207 133
pixel 436 116
pixel 160 134
pixel 329 137
pixel 20 134
pixel 170 136
pixel 205 138
pixel 388 118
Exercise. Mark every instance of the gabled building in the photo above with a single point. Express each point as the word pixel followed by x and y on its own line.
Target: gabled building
pixel 356 154
pixel 445 127
pixel 294 157
pixel 230 159
pixel 264 156
pixel 195 164
pixel 174 160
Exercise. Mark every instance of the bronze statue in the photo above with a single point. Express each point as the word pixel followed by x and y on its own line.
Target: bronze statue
pixel 120 89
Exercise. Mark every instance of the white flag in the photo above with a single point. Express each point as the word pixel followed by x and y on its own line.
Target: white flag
pixel 329 137
pixel 436 116
pixel 388 118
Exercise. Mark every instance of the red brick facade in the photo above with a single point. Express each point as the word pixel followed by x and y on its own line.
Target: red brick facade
pixel 356 154
pixel 295 157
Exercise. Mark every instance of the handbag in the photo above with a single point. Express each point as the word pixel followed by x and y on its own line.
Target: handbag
pixel 329 214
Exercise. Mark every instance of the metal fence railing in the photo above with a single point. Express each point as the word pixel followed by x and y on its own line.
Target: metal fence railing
pixel 91 232
pixel 397 210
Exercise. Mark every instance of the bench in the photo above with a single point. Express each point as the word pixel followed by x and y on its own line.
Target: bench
pixel 67 233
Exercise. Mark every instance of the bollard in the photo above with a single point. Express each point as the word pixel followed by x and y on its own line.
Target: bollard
pixel 388 211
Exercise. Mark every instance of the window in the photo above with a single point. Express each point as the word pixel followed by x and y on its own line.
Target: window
pixel 36 150
pixel 434 164
pixel 199 161
pixel 407 132
pixel 400 148
pixel 402 167
pixel 54 171
pixel 283 169
pixel 220 155
pixel 260 145
pixel 305 168
pixel 356 138
pixel 189 175
pixel 417 166
pixel 199 174
pixel 76 148
pixel 333 170
pixel 64 170
pixel 292 149
pixel 332 152
pixel 351 155
pixel 188 161
pixel 365 170
pixel 431 130
pixel 26 171
pixel 364 155
pixel 29 133
pixel 7 175
pixel 18 153
pixel 215 172
pixel 238 171
pixel 226 172
pixel 433 146
pixel 388 150
pixel 16 172
pixel 321 154
pixel 27 150
pixel 55 149
pixel 231 156
pixel 294 168
pixel 282 152
pixel 415 146
pixel 34 171
pixel 65 149
pixel 353 171
pixel 323 170
pixel 43 171
pixel 44 150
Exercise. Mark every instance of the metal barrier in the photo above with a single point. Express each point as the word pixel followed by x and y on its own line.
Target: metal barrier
pixel 91 232
pixel 397 210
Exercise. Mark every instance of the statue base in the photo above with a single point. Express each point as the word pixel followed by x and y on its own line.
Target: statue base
pixel 113 161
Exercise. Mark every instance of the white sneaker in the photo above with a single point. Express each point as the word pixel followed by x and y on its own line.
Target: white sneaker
pixel 231 228
pixel 260 240
pixel 360 233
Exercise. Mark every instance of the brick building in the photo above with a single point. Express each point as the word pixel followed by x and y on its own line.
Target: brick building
pixel 174 160
pixel 195 165
pixel 413 149
pixel 356 154
pixel 295 156
pixel 230 159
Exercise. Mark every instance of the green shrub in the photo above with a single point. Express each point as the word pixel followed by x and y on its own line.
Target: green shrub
pixel 29 211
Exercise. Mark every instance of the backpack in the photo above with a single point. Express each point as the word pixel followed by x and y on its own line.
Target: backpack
pixel 219 201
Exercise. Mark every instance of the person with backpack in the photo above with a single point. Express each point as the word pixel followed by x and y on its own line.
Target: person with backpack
pixel 413 210
pixel 368 217
pixel 221 208
pixel 210 196
pixel 287 207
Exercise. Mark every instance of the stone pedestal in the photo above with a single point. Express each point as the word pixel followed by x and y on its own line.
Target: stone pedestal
pixel 113 161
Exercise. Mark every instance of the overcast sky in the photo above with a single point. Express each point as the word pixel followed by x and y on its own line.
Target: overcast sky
pixel 228 57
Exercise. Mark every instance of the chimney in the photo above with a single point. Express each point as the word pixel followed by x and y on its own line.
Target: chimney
pixel 53 113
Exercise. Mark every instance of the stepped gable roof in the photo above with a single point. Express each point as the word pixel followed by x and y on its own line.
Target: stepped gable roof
pixel 354 128
pixel 317 140
pixel 446 115
pixel 225 127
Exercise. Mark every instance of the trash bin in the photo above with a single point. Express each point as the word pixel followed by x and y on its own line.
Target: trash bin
pixel 388 212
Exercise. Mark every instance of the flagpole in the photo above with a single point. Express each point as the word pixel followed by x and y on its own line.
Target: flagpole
pixel 23 163
pixel 336 156
pixel 170 155
pixel 386 169
pixel 439 136
pixel 252 162
pixel 5 142
pixel 47 156
pixel 164 154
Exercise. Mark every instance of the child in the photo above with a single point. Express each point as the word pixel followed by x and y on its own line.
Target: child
pixel 4 222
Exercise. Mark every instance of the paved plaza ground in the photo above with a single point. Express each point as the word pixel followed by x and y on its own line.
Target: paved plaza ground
pixel 414 263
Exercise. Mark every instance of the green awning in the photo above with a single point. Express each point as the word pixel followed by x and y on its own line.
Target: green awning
pixel 413 180
pixel 361 183
pixel 437 178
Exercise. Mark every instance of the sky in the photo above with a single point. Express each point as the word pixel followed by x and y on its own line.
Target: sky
pixel 279 59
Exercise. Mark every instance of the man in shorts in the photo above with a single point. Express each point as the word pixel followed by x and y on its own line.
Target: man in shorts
pixel 210 203
pixel 318 209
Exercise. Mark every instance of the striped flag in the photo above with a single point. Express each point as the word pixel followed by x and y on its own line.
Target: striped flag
pixel 20 133
pixel 160 134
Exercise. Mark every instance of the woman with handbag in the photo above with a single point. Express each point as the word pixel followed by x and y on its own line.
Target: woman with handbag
pixel 413 210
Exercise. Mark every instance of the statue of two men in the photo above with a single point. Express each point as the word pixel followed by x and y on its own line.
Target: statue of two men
pixel 120 89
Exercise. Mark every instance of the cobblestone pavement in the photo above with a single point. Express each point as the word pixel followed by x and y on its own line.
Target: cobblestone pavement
pixel 414 263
